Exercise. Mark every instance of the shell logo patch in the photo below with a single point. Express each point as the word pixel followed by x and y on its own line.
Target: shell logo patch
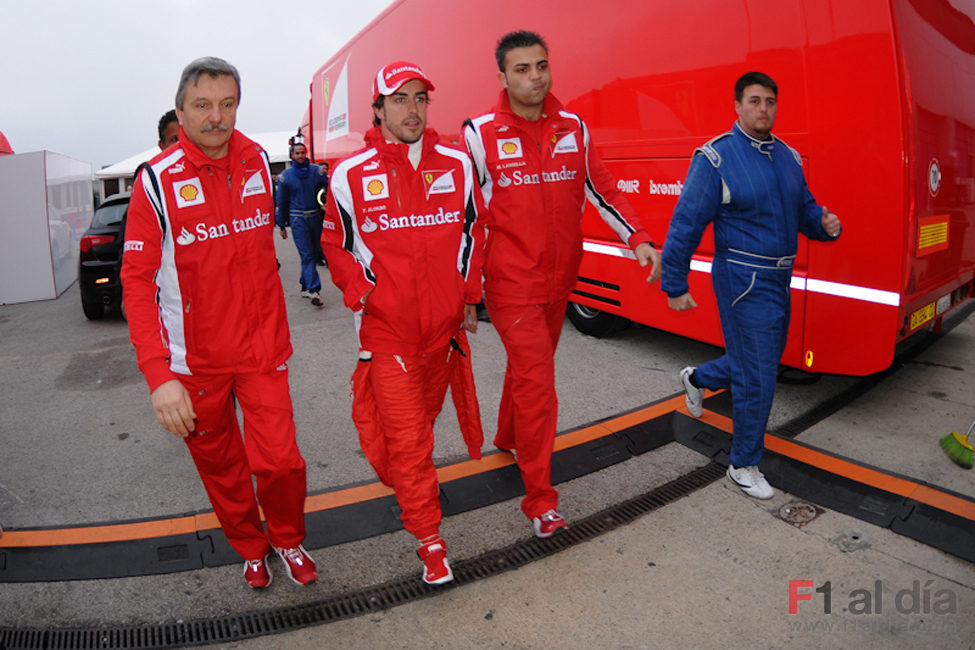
pixel 509 148
pixel 375 187
pixel 188 193
pixel 439 182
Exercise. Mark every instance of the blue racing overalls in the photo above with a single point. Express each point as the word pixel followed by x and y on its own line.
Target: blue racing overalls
pixel 755 194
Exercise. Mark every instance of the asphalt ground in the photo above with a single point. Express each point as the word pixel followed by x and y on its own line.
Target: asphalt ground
pixel 79 444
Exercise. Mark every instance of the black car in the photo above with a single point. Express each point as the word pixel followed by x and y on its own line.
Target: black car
pixel 101 257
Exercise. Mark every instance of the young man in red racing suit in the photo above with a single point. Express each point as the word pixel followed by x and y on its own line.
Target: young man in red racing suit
pixel 207 317
pixel 403 244
pixel 536 167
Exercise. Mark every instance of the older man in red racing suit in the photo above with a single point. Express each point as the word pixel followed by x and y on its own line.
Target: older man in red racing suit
pixel 207 317
pixel 536 167
pixel 403 245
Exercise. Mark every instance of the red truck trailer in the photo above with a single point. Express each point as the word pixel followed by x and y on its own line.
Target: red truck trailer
pixel 877 95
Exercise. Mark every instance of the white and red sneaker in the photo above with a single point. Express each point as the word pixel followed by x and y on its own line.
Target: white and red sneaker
pixel 548 524
pixel 299 565
pixel 257 573
pixel 436 568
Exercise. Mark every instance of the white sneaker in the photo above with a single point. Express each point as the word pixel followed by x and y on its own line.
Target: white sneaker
pixel 316 299
pixel 693 396
pixel 751 481
pixel 305 293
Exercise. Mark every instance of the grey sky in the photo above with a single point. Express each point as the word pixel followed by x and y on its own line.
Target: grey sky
pixel 91 79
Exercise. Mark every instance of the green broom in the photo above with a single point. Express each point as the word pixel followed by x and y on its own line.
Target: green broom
pixel 958 448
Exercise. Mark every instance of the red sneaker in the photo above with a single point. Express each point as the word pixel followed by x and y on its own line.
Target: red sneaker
pixel 548 524
pixel 257 573
pixel 436 568
pixel 299 565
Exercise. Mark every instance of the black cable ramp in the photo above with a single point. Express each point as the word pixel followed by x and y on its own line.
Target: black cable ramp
pixel 236 627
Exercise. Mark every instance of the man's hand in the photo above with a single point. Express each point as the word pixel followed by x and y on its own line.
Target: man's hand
pixel 831 223
pixel 681 303
pixel 647 254
pixel 470 318
pixel 284 233
pixel 174 409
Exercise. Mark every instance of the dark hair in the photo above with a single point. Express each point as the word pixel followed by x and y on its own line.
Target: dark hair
pixel 210 65
pixel 377 104
pixel 752 78
pixel 521 38
pixel 164 121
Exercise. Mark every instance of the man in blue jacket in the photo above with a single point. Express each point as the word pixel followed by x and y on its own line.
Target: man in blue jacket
pixel 297 204
pixel 750 185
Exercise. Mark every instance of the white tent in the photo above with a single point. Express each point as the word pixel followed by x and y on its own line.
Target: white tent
pixel 275 144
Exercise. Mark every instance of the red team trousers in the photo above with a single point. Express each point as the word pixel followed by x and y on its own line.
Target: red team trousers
pixel 268 450
pixel 528 413
pixel 407 391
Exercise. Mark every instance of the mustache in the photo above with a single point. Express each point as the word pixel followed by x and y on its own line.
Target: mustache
pixel 213 127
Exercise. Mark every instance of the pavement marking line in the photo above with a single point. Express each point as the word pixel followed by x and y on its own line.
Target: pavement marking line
pixel 852 470
pixel 97 534
pixel 206 521
pixel 873 477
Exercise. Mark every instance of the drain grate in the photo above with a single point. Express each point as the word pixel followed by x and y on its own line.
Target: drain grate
pixel 243 626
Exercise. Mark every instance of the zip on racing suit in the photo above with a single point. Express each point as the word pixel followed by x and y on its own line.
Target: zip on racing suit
pixel 535 178
pixel 205 306
pixel 412 237
pixel 755 195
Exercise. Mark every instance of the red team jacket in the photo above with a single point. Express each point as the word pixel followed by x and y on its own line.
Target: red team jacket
pixel 411 235
pixel 534 243
pixel 199 239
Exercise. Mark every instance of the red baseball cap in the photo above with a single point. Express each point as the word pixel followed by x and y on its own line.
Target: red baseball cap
pixel 391 77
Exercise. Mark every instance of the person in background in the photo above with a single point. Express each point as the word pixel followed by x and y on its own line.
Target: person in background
pixel 297 205
pixel 168 129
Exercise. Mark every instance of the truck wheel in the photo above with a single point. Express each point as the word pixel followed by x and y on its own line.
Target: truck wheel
pixel 93 310
pixel 594 322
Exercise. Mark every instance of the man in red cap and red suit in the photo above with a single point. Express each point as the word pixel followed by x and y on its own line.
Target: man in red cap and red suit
pixel 404 246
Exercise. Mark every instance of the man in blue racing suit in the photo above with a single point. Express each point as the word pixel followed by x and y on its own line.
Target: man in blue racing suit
pixel 297 204
pixel 750 185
